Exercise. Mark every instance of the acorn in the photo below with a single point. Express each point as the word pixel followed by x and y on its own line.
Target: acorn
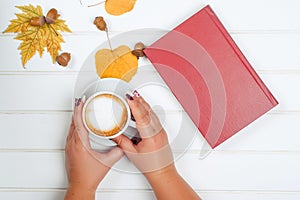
pixel 100 23
pixel 63 59
pixel 139 46
pixel 138 53
pixel 37 21
pixel 51 16
pixel 139 50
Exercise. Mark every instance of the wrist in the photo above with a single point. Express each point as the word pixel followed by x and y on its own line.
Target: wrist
pixel 77 192
pixel 164 173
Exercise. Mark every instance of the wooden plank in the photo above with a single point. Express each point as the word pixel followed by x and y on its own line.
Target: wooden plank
pixel 270 51
pixel 44 131
pixel 38 92
pixel 148 195
pixel 219 171
pixel 55 91
pixel 235 14
pixel 34 131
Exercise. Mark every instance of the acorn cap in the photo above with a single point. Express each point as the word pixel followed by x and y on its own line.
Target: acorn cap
pixel 51 16
pixel 139 46
pixel 138 53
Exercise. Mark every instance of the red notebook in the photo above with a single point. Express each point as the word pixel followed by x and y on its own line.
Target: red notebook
pixel 210 77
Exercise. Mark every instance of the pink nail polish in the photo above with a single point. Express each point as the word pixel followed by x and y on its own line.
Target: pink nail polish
pixel 129 97
pixel 136 93
pixel 77 101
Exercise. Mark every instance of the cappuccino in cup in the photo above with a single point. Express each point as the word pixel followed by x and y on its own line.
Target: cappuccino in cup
pixel 106 114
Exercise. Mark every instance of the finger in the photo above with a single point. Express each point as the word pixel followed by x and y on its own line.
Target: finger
pixel 111 157
pixel 139 112
pixel 152 129
pixel 78 114
pixel 139 98
pixel 71 129
pixel 147 122
pixel 124 143
pixel 80 128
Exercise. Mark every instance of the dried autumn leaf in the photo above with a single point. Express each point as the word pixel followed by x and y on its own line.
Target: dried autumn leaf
pixel 119 63
pixel 36 38
pixel 53 40
pixel 119 7
pixel 21 24
pixel 32 42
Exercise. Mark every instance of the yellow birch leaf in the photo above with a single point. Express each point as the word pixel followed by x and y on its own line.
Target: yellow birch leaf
pixel 119 63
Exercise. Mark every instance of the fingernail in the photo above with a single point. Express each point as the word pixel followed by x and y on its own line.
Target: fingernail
pixel 136 140
pixel 129 97
pixel 83 99
pixel 77 101
pixel 136 93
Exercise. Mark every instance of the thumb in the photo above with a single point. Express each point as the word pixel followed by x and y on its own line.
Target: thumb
pixel 78 114
pixel 125 143
pixel 114 155
pixel 109 158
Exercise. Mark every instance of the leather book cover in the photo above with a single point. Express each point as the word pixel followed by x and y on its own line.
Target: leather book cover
pixel 210 77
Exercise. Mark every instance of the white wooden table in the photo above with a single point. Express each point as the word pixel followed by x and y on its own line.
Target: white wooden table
pixel 261 162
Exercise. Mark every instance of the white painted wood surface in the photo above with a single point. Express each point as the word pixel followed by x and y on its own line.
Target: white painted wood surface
pixel 260 162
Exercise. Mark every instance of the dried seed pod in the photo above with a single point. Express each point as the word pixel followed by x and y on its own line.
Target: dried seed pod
pixel 139 46
pixel 138 53
pixel 138 50
pixel 37 21
pixel 63 59
pixel 52 15
pixel 100 23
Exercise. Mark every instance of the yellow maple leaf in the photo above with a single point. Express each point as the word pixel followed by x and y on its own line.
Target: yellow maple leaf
pixel 21 24
pixel 53 40
pixel 36 38
pixel 32 42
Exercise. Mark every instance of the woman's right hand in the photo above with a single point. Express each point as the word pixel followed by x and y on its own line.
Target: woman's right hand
pixel 153 153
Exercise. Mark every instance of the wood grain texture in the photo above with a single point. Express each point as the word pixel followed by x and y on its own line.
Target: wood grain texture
pixel 268 51
pixel 55 91
pixel 263 15
pixel 148 195
pixel 260 171
pixel 47 131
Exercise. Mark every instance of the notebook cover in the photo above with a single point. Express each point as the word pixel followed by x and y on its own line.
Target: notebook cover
pixel 210 77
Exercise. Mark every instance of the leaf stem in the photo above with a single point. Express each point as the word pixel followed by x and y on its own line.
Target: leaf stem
pixel 109 43
pixel 53 29
pixel 96 4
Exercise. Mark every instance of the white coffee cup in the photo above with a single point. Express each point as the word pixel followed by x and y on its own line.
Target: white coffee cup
pixel 106 115
pixel 118 89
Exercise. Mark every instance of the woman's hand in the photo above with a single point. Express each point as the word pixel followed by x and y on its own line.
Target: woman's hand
pixel 153 152
pixel 85 167
pixel 153 155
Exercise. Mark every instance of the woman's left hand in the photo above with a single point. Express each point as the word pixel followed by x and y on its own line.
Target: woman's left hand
pixel 85 167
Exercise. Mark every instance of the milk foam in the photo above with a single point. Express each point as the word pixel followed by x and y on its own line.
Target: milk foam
pixel 106 113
